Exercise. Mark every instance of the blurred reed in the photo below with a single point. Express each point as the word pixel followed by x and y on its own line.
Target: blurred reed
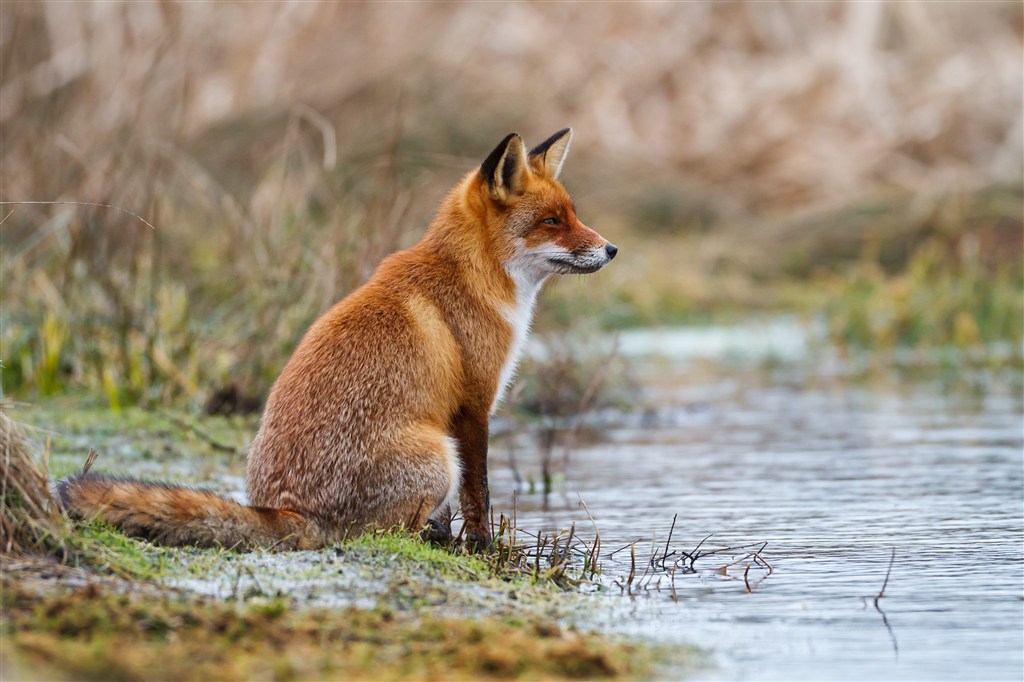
pixel 282 149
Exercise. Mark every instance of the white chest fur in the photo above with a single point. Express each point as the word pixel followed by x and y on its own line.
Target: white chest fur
pixel 520 317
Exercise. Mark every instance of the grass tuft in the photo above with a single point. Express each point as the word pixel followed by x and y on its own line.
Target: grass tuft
pixel 29 518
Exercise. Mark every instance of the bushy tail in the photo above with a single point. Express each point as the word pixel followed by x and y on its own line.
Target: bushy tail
pixel 178 515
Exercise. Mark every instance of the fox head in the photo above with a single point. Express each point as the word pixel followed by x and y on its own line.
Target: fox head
pixel 530 217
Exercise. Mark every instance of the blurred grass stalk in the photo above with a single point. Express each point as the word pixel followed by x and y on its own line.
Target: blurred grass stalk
pixel 857 159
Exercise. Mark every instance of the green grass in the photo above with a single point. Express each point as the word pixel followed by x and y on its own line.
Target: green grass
pixel 409 553
pixel 102 548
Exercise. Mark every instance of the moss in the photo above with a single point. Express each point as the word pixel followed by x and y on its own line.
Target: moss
pixel 409 550
pixel 94 632
pixel 104 548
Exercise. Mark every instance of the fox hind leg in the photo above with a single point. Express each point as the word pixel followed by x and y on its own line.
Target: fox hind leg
pixel 425 493
pixel 439 523
pixel 439 526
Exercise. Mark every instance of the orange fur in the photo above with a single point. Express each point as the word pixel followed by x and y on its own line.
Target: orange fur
pixel 380 416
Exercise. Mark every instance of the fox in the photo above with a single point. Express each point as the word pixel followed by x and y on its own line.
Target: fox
pixel 380 417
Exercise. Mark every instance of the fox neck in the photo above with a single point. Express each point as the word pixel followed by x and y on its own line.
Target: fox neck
pixel 520 317
pixel 509 284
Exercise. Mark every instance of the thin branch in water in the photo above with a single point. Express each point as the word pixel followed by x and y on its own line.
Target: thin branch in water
pixel 695 552
pixel 595 550
pixel 655 559
pixel 671 530
pixel 632 566
pixel 620 549
pixel 650 564
pixel 881 592
pixel 761 560
pixel 515 519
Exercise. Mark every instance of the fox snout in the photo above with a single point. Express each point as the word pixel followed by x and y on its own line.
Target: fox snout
pixel 583 262
pixel 576 249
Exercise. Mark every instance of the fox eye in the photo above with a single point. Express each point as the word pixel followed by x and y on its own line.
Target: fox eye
pixel 551 221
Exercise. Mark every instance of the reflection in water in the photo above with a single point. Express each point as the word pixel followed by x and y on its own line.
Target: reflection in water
pixel 831 473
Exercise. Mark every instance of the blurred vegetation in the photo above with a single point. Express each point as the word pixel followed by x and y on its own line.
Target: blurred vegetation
pixel 858 161
pixel 946 295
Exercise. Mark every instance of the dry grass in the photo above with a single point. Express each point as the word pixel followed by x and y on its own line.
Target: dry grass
pixel 279 163
pixel 30 520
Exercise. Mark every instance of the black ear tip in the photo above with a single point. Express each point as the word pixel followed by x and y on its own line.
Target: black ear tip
pixel 490 164
pixel 546 144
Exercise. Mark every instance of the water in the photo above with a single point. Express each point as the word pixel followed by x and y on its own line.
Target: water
pixel 831 473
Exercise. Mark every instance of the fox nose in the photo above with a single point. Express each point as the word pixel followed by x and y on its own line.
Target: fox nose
pixel 611 250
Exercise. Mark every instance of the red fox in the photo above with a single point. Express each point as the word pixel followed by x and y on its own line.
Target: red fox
pixel 380 417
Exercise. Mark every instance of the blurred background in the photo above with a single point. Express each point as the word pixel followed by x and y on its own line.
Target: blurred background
pixel 859 164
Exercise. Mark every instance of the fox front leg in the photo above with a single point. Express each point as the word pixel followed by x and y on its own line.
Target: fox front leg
pixel 471 432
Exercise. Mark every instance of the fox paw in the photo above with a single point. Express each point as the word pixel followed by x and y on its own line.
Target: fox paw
pixel 478 540
pixel 437 532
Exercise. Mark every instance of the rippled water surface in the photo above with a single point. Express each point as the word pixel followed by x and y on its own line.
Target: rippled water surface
pixel 833 474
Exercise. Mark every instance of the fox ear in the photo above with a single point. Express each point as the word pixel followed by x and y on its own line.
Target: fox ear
pixel 504 170
pixel 547 157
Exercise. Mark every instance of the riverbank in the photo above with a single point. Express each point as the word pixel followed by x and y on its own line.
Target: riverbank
pixel 384 605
